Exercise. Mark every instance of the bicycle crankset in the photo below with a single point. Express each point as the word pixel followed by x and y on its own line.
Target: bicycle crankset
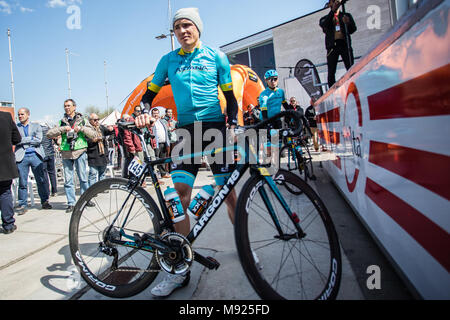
pixel 180 258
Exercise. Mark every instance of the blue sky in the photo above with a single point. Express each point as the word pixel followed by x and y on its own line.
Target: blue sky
pixel 122 33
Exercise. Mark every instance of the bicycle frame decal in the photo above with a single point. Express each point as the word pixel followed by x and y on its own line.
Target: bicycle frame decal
pixel 332 283
pixel 252 194
pixel 90 276
pixel 216 202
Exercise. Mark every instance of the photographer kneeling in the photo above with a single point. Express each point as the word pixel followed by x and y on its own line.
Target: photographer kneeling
pixel 73 131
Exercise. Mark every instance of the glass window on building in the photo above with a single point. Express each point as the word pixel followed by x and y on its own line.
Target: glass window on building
pixel 259 58
pixel 400 7
pixel 239 58
pixel 262 59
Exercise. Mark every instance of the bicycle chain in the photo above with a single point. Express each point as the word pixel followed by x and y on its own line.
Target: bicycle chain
pixel 137 270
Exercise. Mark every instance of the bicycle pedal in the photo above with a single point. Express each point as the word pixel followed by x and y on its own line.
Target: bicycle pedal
pixel 208 262
pixel 214 262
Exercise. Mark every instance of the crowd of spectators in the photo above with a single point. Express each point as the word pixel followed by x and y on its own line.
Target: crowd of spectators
pixel 81 144
pixel 76 144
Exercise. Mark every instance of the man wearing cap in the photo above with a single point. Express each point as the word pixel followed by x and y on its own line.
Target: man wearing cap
pixel 195 72
pixel 270 101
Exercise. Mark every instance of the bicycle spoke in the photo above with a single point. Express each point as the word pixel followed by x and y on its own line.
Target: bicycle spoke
pixel 297 265
pixel 120 269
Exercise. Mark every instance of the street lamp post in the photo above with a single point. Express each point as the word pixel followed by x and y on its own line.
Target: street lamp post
pixel 164 36
pixel 12 75
pixel 171 34
pixel 68 72
pixel 106 88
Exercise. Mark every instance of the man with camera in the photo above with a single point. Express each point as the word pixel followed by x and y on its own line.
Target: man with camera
pixel 337 26
pixel 74 133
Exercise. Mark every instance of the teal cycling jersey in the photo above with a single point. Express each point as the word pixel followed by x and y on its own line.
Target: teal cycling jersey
pixel 195 78
pixel 271 101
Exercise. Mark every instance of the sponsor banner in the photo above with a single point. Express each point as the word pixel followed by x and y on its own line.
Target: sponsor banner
pixel 306 73
pixel 386 129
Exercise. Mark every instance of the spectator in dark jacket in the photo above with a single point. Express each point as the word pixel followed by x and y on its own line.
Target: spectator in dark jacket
pixel 49 161
pixel 9 136
pixel 310 114
pixel 98 150
pixel 338 27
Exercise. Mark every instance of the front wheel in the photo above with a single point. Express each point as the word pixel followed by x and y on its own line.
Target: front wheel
pixel 279 262
pixel 96 231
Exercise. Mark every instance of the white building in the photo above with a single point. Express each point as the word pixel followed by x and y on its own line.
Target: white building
pixel 282 46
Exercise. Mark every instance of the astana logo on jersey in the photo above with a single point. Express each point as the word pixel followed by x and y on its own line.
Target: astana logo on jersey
pixel 182 69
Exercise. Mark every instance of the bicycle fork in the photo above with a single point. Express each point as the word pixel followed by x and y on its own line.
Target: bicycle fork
pixel 292 215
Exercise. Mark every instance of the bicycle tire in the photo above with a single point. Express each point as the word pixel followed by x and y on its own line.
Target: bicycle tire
pixel 319 252
pixel 86 231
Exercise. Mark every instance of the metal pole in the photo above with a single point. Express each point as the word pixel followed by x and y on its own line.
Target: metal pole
pixel 12 75
pixel 68 72
pixel 172 39
pixel 347 38
pixel 106 88
pixel 172 42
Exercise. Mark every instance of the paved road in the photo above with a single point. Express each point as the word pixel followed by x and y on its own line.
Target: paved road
pixel 35 263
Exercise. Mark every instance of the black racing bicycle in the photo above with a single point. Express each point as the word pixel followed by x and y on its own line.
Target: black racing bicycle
pixel 298 156
pixel 285 238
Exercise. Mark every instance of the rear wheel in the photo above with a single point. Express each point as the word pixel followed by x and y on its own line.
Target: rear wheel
pixel 112 269
pixel 287 265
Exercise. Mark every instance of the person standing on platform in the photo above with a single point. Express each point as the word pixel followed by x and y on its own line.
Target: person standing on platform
pixel 338 27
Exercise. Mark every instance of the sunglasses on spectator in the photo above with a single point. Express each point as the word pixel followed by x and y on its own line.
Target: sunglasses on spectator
pixel 95 119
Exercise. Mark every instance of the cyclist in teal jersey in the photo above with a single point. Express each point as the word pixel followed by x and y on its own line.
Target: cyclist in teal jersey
pixel 271 100
pixel 195 72
pixel 272 97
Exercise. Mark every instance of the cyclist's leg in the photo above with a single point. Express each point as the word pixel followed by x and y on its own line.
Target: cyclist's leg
pixel 184 192
pixel 183 177
pixel 231 201
pixel 220 180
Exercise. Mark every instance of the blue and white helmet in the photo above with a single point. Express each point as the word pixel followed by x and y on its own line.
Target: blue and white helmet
pixel 270 74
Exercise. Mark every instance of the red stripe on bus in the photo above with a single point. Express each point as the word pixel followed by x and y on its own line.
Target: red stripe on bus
pixel 330 136
pixel 337 162
pixel 428 169
pixel 332 115
pixel 424 96
pixel 428 234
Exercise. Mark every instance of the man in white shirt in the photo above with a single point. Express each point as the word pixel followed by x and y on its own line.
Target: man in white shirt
pixel 162 140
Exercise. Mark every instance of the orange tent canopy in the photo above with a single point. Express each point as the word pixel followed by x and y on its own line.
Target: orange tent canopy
pixel 246 88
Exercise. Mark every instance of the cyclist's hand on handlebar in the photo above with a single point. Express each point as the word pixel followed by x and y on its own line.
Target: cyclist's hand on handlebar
pixel 144 120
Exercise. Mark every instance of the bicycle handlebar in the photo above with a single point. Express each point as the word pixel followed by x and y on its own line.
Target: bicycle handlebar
pixel 283 132
pixel 130 125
